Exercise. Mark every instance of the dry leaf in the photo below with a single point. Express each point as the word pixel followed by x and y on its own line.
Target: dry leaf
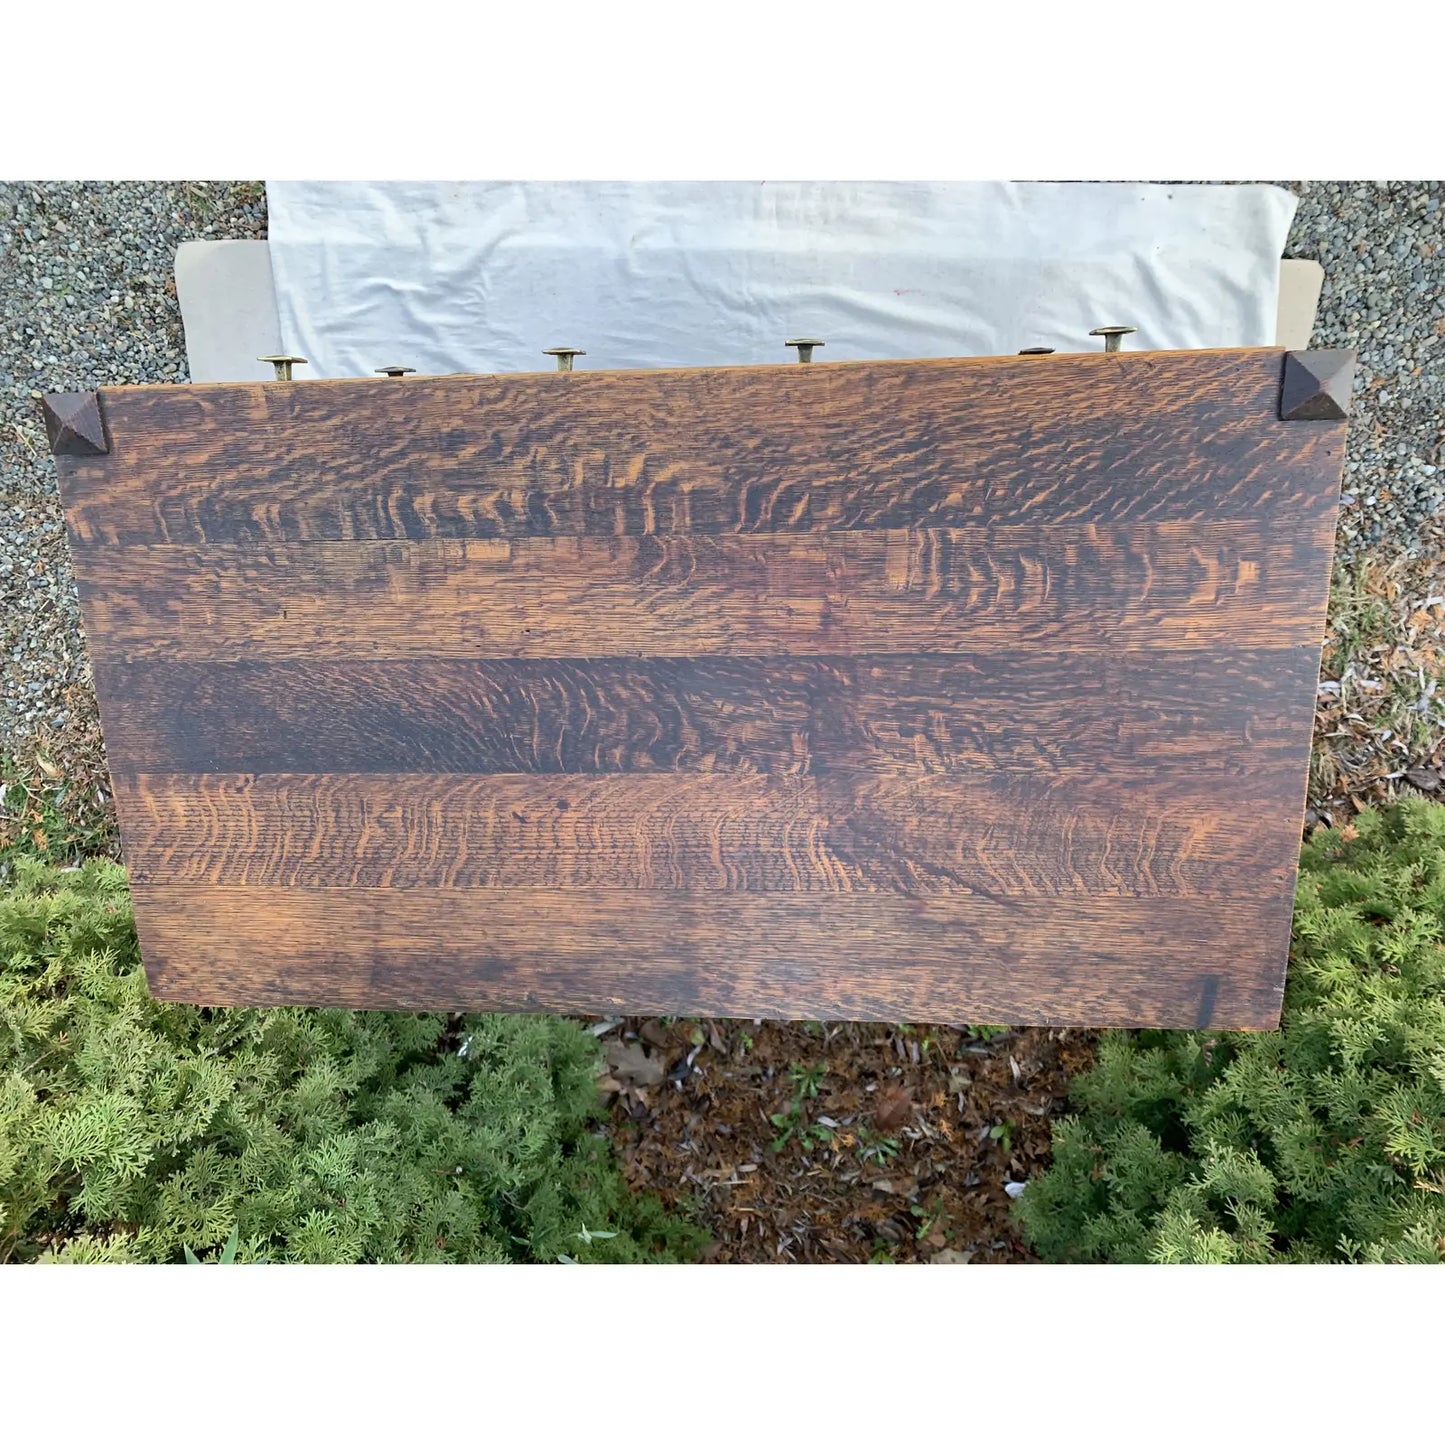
pixel 894 1106
pixel 630 1064
pixel 952 1256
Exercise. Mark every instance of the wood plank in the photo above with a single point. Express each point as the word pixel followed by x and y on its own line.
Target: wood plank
pixel 1173 436
pixel 1149 585
pixel 955 959
pixel 1000 835
pixel 968 691
pixel 1225 714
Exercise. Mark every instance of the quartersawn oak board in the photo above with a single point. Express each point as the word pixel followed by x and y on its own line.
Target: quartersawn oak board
pixel 956 691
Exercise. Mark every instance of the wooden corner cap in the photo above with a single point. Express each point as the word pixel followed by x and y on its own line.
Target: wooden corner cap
pixel 74 424
pixel 1316 385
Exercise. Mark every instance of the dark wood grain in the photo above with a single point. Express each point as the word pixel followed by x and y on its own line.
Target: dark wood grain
pixel 997 835
pixel 948 958
pixel 963 691
pixel 1166 436
pixel 1170 585
pixel 1224 714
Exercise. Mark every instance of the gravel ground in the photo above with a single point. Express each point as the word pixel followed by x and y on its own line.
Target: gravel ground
pixel 1383 250
pixel 87 299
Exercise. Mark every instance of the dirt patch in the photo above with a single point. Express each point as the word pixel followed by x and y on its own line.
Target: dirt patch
pixel 807 1142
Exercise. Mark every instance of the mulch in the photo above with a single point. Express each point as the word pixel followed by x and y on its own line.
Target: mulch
pixel 806 1142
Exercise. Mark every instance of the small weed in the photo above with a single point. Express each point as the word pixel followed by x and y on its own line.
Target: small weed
pixel 793 1122
pixel 588 1235
pixel 201 199
pixel 1003 1132
pixel 228 1250
pixel 806 1081
pixel 793 1125
pixel 984 1033
pixel 928 1218
pixel 693 1208
pixel 883 1149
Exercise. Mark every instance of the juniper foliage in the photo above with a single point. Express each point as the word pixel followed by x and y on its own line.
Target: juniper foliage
pixel 135 1130
pixel 1322 1142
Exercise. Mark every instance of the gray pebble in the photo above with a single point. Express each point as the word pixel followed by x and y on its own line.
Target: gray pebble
pixel 1388 306
pixel 68 251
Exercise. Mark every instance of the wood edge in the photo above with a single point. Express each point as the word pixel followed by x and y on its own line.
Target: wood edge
pixel 317 994
pixel 1291 886
pixel 322 999
pixel 1027 364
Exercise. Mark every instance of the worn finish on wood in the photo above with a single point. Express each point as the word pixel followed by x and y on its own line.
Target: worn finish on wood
pixel 1317 385
pixel 1026 834
pixel 967 691
pixel 1168 586
pixel 1082 711
pixel 698 453
pixel 855 956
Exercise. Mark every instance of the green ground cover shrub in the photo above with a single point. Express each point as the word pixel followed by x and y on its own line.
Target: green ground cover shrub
pixel 135 1130
pixel 1323 1142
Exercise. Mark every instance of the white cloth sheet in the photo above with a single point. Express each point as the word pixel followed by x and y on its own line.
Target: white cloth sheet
pixel 481 276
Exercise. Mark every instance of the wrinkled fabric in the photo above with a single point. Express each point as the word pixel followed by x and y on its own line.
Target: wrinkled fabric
pixel 482 276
